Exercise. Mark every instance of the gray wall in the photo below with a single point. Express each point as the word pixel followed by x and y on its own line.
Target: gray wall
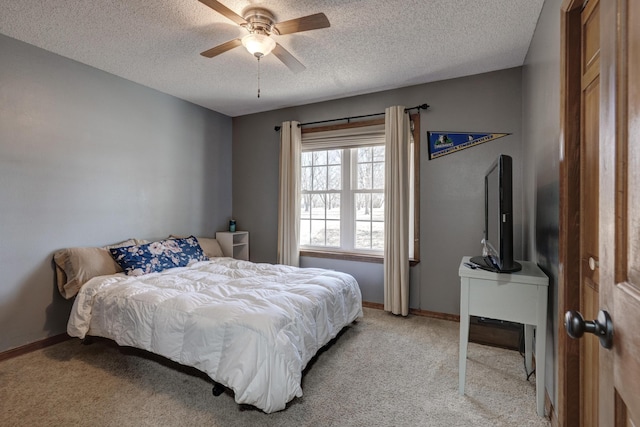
pixel 87 159
pixel 541 147
pixel 452 187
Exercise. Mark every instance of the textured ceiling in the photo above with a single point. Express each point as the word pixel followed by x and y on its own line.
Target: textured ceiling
pixel 372 45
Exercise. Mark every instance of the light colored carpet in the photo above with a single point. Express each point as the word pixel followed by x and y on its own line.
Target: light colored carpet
pixel 382 371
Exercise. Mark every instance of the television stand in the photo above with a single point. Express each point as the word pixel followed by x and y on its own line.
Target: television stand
pixel 517 297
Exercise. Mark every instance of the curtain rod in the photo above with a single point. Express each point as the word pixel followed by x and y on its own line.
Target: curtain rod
pixel 417 107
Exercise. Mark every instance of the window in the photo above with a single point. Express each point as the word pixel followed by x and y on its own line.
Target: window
pixel 342 190
pixel 342 205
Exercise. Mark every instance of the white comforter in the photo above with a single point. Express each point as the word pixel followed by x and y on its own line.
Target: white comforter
pixel 251 327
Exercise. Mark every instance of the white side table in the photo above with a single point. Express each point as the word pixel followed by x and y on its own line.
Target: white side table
pixel 516 297
pixel 234 244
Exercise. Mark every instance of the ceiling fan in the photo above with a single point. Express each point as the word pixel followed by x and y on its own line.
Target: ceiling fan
pixel 260 23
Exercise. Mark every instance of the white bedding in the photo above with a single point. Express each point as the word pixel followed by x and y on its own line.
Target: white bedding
pixel 251 327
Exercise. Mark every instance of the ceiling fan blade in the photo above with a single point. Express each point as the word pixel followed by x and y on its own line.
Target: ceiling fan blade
pixel 225 11
pixel 287 59
pixel 306 23
pixel 214 51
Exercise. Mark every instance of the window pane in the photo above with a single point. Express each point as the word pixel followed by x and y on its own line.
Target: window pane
pixel 378 153
pixel 305 206
pixel 305 159
pixel 305 232
pixel 335 178
pixel 377 235
pixel 305 179
pixel 335 157
pixel 364 176
pixel 333 206
pixel 377 206
pixel 333 233
pixel 363 235
pixel 319 178
pixel 317 206
pixel 364 154
pixel 317 233
pixel 378 176
pixel 363 207
pixel 319 158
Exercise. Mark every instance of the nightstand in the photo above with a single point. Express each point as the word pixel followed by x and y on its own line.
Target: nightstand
pixel 234 244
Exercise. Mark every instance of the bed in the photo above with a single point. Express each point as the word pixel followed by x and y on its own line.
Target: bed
pixel 251 327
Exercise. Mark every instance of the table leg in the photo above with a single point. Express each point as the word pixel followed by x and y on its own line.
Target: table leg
pixel 528 348
pixel 464 333
pixel 541 348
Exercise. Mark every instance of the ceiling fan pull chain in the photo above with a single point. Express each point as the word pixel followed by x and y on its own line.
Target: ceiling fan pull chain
pixel 258 77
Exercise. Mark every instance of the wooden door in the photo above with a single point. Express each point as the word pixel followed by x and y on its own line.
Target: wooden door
pixel 589 185
pixel 620 210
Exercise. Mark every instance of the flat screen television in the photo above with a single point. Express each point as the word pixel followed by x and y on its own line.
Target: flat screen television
pixel 497 254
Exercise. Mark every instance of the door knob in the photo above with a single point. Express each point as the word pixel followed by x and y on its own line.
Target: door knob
pixel 602 327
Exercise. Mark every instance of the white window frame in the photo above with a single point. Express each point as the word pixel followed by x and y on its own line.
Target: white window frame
pixel 348 191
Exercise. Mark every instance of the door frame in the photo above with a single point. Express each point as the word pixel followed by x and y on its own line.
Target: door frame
pixel 568 392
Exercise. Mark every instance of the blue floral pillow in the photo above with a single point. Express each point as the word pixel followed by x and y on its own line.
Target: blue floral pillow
pixel 158 256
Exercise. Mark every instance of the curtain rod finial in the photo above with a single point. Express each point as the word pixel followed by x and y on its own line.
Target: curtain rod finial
pixel 277 128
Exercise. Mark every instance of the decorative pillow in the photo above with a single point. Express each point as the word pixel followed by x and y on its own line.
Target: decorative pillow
pixel 75 266
pixel 157 256
pixel 209 245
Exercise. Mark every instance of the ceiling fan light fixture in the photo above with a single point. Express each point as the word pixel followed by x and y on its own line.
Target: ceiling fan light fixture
pixel 258 45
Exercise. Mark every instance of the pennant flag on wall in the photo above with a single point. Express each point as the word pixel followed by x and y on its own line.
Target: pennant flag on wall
pixel 442 143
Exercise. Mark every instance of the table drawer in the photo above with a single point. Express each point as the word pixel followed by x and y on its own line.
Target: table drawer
pixel 504 300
